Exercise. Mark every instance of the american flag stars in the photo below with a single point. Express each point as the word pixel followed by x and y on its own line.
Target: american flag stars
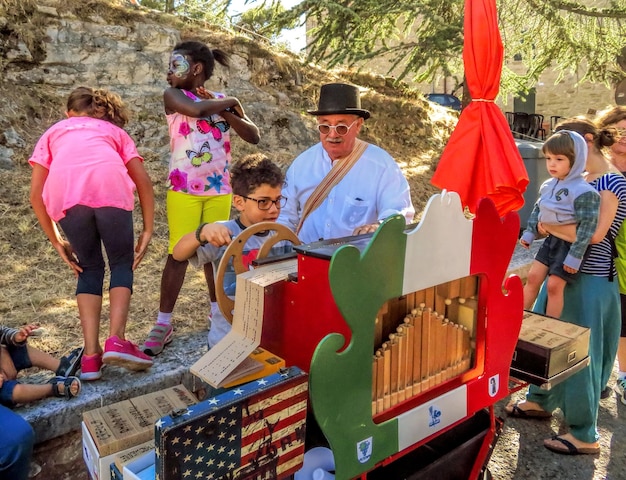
pixel 255 427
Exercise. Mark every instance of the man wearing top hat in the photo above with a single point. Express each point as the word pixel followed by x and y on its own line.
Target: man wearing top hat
pixel 342 186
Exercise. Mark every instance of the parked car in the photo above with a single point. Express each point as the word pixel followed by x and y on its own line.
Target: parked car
pixel 445 99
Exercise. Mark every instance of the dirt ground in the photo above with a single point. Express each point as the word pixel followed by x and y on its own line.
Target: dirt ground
pixel 520 455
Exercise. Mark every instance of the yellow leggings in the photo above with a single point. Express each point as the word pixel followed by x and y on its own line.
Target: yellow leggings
pixel 185 212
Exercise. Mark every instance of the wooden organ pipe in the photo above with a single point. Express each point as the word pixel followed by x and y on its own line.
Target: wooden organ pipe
pixel 426 347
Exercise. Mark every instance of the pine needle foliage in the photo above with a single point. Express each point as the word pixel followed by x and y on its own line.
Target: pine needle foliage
pixel 423 39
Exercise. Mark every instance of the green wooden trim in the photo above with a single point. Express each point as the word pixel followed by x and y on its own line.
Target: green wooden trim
pixel 341 383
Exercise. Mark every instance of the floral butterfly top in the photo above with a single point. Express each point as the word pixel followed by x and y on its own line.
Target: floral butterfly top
pixel 200 153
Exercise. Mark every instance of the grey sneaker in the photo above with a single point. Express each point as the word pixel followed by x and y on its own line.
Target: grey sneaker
pixel 620 388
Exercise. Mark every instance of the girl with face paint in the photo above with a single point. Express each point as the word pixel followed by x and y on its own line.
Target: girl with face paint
pixel 199 188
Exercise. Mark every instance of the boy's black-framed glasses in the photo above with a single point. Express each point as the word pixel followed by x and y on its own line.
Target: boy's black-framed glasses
pixel 266 203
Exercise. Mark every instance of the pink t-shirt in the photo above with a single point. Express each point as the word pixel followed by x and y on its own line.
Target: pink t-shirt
pixel 86 159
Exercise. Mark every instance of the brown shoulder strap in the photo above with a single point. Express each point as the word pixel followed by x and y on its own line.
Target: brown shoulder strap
pixel 332 178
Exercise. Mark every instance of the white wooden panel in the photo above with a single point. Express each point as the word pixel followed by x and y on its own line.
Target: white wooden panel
pixel 439 248
pixel 431 417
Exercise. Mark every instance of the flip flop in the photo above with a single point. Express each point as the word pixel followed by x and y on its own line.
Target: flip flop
pixel 565 447
pixel 517 412
pixel 68 383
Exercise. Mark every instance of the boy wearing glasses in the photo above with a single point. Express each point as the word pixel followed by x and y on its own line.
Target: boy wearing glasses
pixel 357 199
pixel 256 182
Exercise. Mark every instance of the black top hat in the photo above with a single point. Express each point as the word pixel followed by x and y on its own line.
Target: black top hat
pixel 339 98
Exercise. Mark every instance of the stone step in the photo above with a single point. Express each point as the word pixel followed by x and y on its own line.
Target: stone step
pixel 54 417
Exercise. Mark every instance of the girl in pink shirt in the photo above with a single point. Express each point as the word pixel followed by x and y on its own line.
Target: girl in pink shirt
pixel 85 171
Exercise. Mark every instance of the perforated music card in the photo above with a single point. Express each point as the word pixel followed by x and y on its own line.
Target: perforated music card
pixel 218 365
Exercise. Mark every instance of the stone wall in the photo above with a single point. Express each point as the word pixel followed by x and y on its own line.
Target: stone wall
pixel 131 59
pixel 563 98
pixel 566 98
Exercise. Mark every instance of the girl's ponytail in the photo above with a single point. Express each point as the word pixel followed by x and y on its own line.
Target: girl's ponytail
pixel 98 103
pixel 221 57
pixel 109 106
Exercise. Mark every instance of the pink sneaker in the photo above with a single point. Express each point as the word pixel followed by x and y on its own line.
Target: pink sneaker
pixel 124 353
pixel 91 367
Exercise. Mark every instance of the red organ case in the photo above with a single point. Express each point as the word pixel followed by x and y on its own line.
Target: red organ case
pixel 406 334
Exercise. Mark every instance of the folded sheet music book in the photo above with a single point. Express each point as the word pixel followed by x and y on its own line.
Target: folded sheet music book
pixel 230 360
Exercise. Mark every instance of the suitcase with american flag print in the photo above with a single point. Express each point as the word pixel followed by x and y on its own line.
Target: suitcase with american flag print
pixel 251 432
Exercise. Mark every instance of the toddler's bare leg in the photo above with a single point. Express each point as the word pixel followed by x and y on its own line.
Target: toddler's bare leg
pixel 42 359
pixel 26 393
pixel 536 275
pixel 556 286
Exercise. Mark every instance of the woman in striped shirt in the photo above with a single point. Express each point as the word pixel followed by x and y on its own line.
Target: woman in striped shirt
pixel 592 302
pixel 615 118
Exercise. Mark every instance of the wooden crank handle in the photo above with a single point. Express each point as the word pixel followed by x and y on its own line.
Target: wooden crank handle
pixel 235 251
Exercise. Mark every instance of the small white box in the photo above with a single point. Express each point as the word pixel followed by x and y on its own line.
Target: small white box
pixel 143 468
pixel 99 468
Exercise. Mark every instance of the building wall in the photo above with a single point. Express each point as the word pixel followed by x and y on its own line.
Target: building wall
pixel 566 98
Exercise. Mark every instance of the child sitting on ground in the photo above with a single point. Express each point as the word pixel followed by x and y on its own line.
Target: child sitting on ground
pixel 17 355
pixel 256 184
pixel 566 198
